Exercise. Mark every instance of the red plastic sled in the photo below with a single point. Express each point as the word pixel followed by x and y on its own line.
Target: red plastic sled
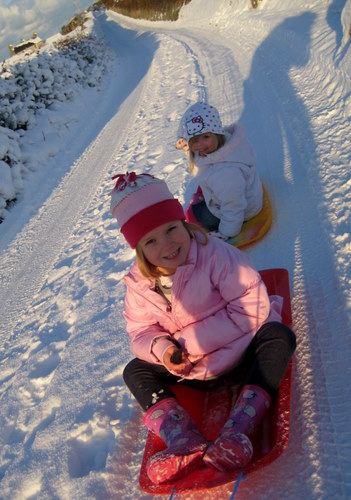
pixel 210 411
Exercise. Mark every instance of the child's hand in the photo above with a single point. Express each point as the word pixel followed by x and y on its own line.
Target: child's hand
pixel 182 144
pixel 176 361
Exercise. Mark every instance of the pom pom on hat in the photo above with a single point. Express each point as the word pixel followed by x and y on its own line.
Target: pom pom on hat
pixel 140 203
pixel 198 119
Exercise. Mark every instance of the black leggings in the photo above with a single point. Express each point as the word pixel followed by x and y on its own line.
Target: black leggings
pixel 264 364
pixel 204 217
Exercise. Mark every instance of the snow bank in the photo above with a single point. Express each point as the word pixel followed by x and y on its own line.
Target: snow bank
pixel 35 84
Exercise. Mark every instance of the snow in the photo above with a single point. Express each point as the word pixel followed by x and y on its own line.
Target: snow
pixel 68 426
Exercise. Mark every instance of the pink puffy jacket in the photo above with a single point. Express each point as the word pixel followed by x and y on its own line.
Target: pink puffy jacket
pixel 218 303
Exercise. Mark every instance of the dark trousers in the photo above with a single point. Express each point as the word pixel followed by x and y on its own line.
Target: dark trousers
pixel 264 364
pixel 204 217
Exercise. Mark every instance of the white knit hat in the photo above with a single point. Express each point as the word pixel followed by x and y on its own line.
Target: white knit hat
pixel 141 203
pixel 198 119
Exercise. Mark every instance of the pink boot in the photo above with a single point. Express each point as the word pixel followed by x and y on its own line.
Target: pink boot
pixel 185 445
pixel 233 449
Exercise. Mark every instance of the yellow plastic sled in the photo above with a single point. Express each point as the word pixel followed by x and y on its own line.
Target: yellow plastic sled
pixel 253 229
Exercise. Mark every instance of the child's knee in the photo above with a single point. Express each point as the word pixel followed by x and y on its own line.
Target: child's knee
pixel 278 332
pixel 286 334
pixel 129 371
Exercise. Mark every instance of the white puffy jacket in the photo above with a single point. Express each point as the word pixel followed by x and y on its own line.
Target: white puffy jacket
pixel 229 181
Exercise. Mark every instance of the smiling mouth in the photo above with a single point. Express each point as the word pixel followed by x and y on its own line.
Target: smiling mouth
pixel 173 255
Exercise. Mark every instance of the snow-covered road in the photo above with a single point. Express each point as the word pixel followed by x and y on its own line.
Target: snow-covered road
pixel 69 427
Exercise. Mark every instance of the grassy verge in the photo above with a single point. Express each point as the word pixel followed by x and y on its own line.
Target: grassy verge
pixel 153 10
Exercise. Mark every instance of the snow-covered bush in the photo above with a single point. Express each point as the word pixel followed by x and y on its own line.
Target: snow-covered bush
pixel 33 82
pixel 11 168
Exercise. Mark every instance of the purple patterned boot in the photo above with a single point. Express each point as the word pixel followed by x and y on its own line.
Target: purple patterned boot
pixel 185 445
pixel 232 449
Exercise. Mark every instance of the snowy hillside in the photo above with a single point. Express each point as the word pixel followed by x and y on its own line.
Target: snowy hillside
pixel 69 428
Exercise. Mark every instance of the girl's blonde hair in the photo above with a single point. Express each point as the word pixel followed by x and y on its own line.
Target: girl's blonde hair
pixel 150 271
pixel 220 143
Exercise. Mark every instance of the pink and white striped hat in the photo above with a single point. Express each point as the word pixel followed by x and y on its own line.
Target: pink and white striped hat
pixel 140 203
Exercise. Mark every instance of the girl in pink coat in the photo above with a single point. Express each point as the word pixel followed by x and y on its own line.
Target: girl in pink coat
pixel 197 314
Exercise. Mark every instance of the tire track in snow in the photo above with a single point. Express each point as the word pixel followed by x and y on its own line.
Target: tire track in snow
pixel 217 72
pixel 291 165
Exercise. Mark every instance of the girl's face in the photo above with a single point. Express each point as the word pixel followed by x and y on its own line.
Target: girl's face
pixel 166 247
pixel 204 144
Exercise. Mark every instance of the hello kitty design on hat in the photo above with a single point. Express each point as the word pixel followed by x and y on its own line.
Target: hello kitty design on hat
pixel 140 203
pixel 198 119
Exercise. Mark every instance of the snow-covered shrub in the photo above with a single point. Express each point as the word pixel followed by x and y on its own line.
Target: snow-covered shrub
pixel 33 82
pixel 11 168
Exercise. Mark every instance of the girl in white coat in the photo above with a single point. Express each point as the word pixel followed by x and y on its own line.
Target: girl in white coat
pixel 223 162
